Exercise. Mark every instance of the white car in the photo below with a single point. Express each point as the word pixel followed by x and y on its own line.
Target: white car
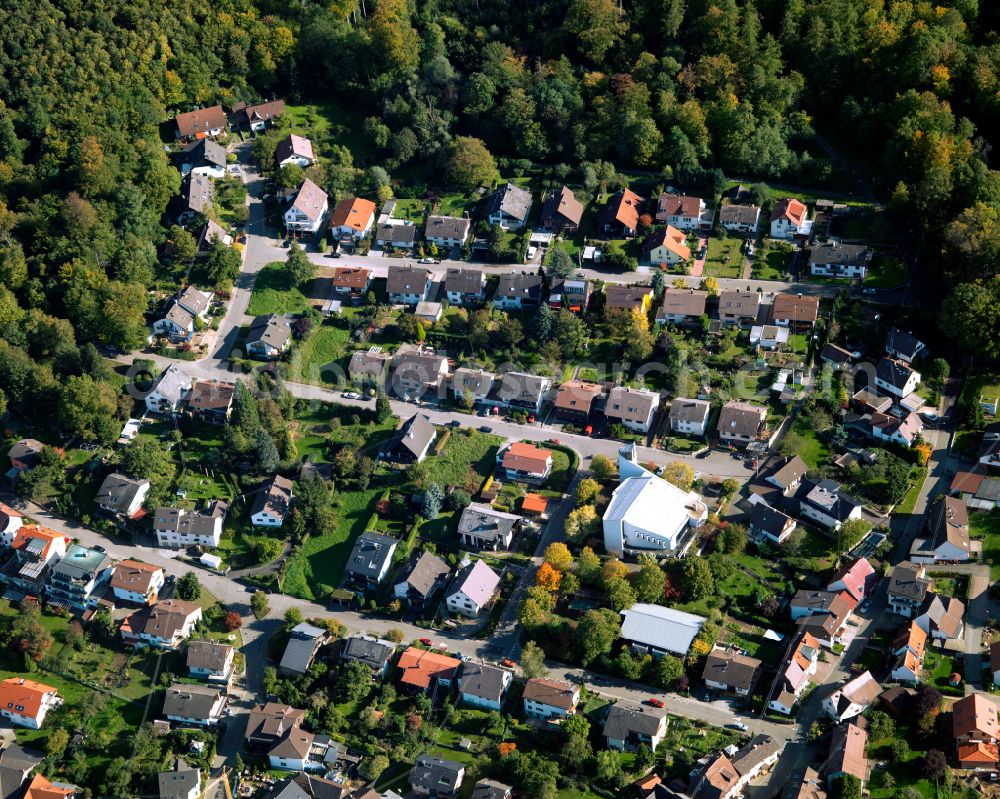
pixel 351 395
pixel 531 253
pixel 428 261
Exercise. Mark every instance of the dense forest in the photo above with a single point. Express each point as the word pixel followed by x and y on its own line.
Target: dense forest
pixel 895 96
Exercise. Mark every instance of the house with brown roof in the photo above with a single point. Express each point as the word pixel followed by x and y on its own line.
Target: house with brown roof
pixel 258 116
pixel 717 779
pixel 628 299
pixel 575 401
pixel 739 218
pixel 976 731
pixel 741 423
pixel 795 311
pixel 200 123
pixel 666 246
pixel 681 211
pixel 464 286
pixel 164 625
pixel 210 660
pixel 941 617
pixel 730 671
pixel 352 218
pixel 272 503
pixel 268 724
pixel 948 534
pixel 739 307
pixel 526 462
pixel 633 408
pixel 368 366
pixel 682 306
pixel 847 753
pixel 351 283
pixel 211 401
pixel 794 676
pixel 562 212
pixel 788 219
pixel 25 454
pixel 837 357
pixel 852 698
pixel 135 581
pixel 620 214
pixel 547 699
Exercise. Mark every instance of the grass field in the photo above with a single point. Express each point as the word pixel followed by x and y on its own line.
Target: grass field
pixel 273 294
pixel 331 123
pixel 886 273
pixel 773 267
pixel 468 458
pixel 986 527
pixel 804 442
pixel 325 345
pixel 724 258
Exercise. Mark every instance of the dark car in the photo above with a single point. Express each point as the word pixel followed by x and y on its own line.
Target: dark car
pixel 485 429
pixel 454 423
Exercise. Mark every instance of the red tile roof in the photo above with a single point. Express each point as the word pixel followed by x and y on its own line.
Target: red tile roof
pixel 18 692
pixel 526 458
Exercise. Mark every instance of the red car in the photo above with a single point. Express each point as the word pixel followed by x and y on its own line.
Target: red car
pixel 426 642
pixel 588 430
pixel 510 664
pixel 654 702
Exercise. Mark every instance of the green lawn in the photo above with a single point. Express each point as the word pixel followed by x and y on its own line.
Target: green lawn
pixel 467 459
pixel 815 554
pixel 886 273
pixel 332 123
pixel 804 442
pixel 773 267
pixel 983 384
pixel 413 210
pixel 799 342
pixel 724 258
pixel 273 294
pixel 986 527
pixel 454 204
pixel 325 345
pixel 938 667
pixel 909 502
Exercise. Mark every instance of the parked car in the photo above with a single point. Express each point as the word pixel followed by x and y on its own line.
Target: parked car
pixel 508 663
pixel 485 429
pixel 428 261
pixel 654 702
pixel 737 725
pixel 354 395
pixel 426 642
pixel 454 423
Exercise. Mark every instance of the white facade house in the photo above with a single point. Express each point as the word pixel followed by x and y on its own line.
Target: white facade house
pixel 472 590
pixel 308 209
pixel 896 377
pixel 122 495
pixel 689 416
pixel 550 699
pixel 788 219
pixel 273 502
pixel 294 150
pixel 481 685
pixel 25 703
pixel 201 705
pixel 852 698
pixel 633 408
pixel 169 391
pixel 177 528
pixel 165 625
pixel 826 503
pixel 137 582
pixel 10 523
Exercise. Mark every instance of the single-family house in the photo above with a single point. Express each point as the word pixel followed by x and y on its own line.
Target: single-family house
pixel 682 306
pixel 183 782
pixel 352 218
pixel 370 560
pixel 35 550
pixel 396 237
pixel 269 336
pixel 976 731
pixel 294 150
pixel 176 323
pixel 730 671
pixel 436 777
pixel 483 527
pixel 368 367
pixel 122 495
pixel 412 441
pixel 904 346
pixel 447 231
pixel 41 788
pixel 680 211
pixel 526 462
pixel 177 528
pixel 210 660
pixel 896 377
pixel 508 207
pixel 464 287
pixel 304 642
pixel 165 625
pixel 258 116
pixel 518 290
pixel 308 210
pixel 482 685
pixel 795 311
pixel 211 233
pixel 620 214
pixel 630 725
pixel 725 775
pixel 666 246
pixel 472 589
pixel 788 475
pixel 169 391
pixel 788 219
pixel 741 423
pixel 204 157
pixel 472 383
pixel 837 357
pixel 79 579
pixel 375 653
pixel 771 523
pixel 825 502
pixel 274 498
pixel 423 670
pixel 570 293
pixel 211 401
pixel 689 416
pixel 848 742
pixel 408 285
pixel 26 703
pixel 794 676
pixel 852 698
pixel 657 630
pixel 768 337
pixel 908 651
pixel 835 259
pixel 633 408
pixel 858 579
pixel 628 299
pixel 907 588
pixel 200 123
pixel 197 198
pixel 941 617
pixel 948 534
pixel 491 789
pixel 826 613
pixel 426 576
pixel 268 724
pixel 194 704
pixel 10 523
pixel 135 581
pixel 351 283
pixel 739 307
pixel 25 454
pixel 739 218
pixel 547 699
pixel 518 391
pixel 576 400
pixel 562 212
pixel 899 430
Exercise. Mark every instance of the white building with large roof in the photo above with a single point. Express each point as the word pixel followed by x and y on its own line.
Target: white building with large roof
pixel 657 630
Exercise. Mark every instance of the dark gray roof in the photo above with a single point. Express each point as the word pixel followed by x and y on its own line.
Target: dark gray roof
pixel 319 788
pixel 199 193
pixel 478 679
pixel 435 774
pixel 739 214
pixel 288 789
pixel 427 572
pixel 179 783
pixel 396 234
pixel 730 668
pixel 178 520
pixel 688 410
pixel 625 717
pixel 893 372
pixel 464 281
pixel 117 491
pixel 373 652
pixel 371 551
pixel 301 648
pixel 190 701
pixel 526 285
pixel 207 655
pixel 490 789
pixel 205 151
pixel 447 227
pixel 271 329
pixel 835 354
pixel 768 520
pixel 406 280
pixel 484 522
pixel 15 762
pixel 828 497
pixel 905 581
pixel 514 201
pixel 834 252
pixel 519 387
pixel 903 342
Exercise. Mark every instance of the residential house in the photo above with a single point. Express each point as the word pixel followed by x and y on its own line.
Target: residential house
pixel 726 775
pixel 370 560
pixel 42 788
pixel 508 207
pixel 835 259
pixel 976 731
pixel 847 753
pixel 908 651
pixel 197 198
pixel 269 337
pixel 304 642
pixel 165 625
pixel 178 322
pixel 204 157
pixel 10 523
pixel 941 617
pixel 258 116
pixel 852 698
pixel 573 294
pixel 689 416
pixel 177 528
pixel 518 391
pixel 628 299
pixel 308 210
pixel 447 231
pixel 472 589
pixel 169 391
pixel 294 150
pixel 518 290
pixel 550 699
pixel 16 763
pixel 739 307
pixel 425 671
pixel 620 214
pixel 210 660
pixel 741 423
pixel 368 367
pixel 562 212
pixel 824 614
pixel 408 285
pixel 858 579
pixel 465 287
pixel 899 430
pixel 526 462
pixel 795 673
pixel 491 789
pixel 576 400
pixel 788 219
pixel 375 653
pixel 904 346
pixel 353 217
pixel 666 246
pixel 483 686
pixel 633 408
pixel 534 505
pixel 788 475
pixel 194 704
pixel 682 306
pixel 656 630
pixel 122 495
pixel 868 402
pixel 768 337
pixel 948 530
pixel 26 703
pixel 629 725
pixel 995 662
pixel 396 237
pixel 426 576
pixel 25 454
pixel 482 527
pixel 896 377
pixel 201 122
pixel 135 581
pixel 274 498
pixel 183 782
pixel 730 671
pixel 825 502
pixel 907 589
pixel 268 724
pixel 79 579
pixel 680 211
pixel 795 311
pixel 474 384
pixel 436 777
pixel 716 779
pixel 211 401
pixel 646 513
pixel 211 233
pixel 412 441
pixel 35 550
pixel 837 357
pixel 739 218
pixel 771 523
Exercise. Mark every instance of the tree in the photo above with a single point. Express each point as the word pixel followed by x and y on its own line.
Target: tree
pixel 588 566
pixel 383 410
pixel 650 581
pixel 433 497
pixel 846 786
pixel 733 539
pixel 533 661
pixel 669 670
pixel 609 767
pixel 594 26
pixel 355 681
pixel 560 263
pixel 267 549
pixel 596 632
pixel 851 533
pixel 581 524
pixel 300 269
pixel 613 569
pixel 927 701
pixel 88 408
pixel 697 578
pixel 267 453
pixel 881 727
pixel 548 577
pixel 558 555
pixel 711 285
pixel 233 620
pixel 602 468
pixel 970 315
pixel 658 282
pixel 934 765
pixel 146 458
pixel 730 486
pixel 188 587
pixel 377 765
pixel 586 491
pixel 28 636
pixel 679 474
pixel 620 594
pixel 222 264
pixel 293 617
pixel 56 743
pixel 259 604
pixel 469 164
